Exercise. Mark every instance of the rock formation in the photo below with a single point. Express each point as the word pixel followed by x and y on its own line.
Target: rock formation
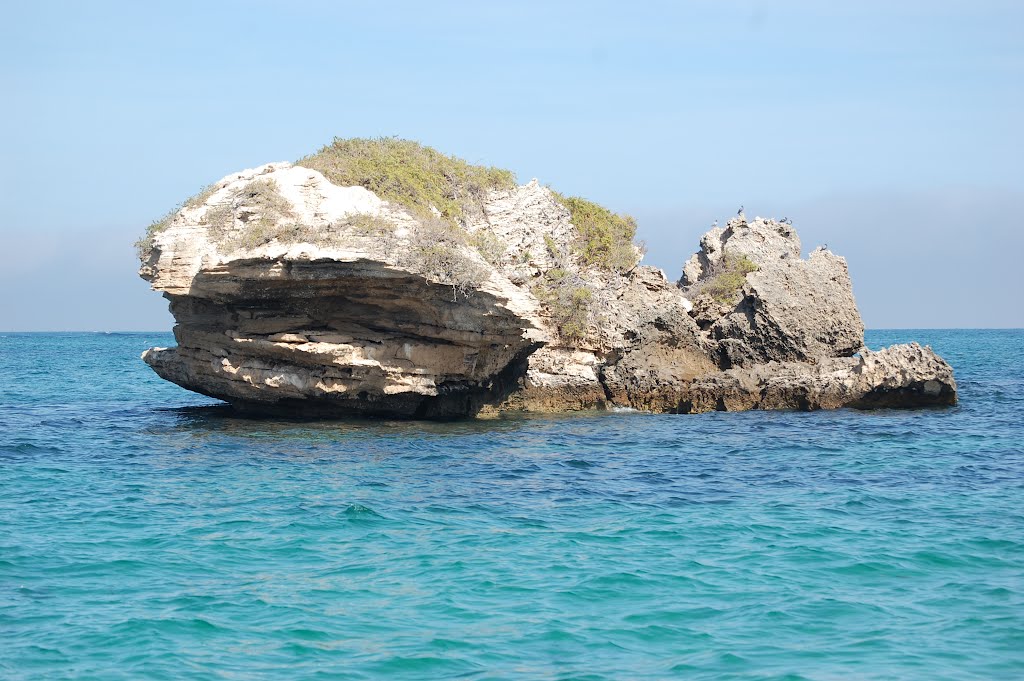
pixel 788 309
pixel 295 295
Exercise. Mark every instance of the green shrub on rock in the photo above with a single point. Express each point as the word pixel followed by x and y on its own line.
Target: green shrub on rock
pixel 726 281
pixel 255 216
pixel 438 250
pixel 490 246
pixel 603 239
pixel 568 299
pixel 409 174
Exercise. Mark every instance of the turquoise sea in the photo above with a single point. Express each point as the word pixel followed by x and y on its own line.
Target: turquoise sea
pixel 146 533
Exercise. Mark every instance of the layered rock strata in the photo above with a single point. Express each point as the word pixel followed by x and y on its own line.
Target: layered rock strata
pixel 294 295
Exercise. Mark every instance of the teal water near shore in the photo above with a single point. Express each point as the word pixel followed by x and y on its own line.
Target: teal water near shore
pixel 146 533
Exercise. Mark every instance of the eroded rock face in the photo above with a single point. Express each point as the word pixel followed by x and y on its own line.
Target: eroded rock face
pixel 786 309
pixel 324 336
pixel 339 327
pixel 325 301
pixel 899 376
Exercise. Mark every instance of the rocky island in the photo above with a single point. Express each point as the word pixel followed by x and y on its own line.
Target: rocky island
pixel 381 277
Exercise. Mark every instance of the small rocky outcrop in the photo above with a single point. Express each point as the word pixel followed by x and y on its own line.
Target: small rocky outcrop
pixel 295 293
pixel 784 309
pixel 898 376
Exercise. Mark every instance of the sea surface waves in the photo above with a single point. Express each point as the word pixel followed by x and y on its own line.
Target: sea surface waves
pixel 147 533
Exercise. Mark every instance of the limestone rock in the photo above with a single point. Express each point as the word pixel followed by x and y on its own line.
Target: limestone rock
pixel 898 376
pixel 343 325
pixel 763 241
pixel 294 295
pixel 785 309
pixel 346 304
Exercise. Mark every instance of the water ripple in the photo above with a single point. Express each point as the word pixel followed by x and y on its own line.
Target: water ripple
pixel 148 533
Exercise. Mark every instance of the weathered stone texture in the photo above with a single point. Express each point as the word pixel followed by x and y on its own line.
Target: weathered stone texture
pixel 348 308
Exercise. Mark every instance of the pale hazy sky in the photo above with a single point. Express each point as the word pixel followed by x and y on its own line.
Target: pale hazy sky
pixel 892 131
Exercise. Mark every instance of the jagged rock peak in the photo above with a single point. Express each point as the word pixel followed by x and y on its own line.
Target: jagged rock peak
pixel 761 240
pixel 760 301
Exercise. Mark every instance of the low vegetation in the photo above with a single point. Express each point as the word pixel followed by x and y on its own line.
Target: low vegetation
pixel 603 239
pixel 144 246
pixel 368 225
pixel 568 299
pixel 414 176
pixel 443 193
pixel 259 215
pixel 437 249
pixel 725 281
pixel 255 216
pixel 489 245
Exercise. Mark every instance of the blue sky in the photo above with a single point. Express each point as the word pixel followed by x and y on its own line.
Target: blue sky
pixel 889 130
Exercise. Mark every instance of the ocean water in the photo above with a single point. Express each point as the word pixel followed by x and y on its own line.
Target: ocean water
pixel 145 533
